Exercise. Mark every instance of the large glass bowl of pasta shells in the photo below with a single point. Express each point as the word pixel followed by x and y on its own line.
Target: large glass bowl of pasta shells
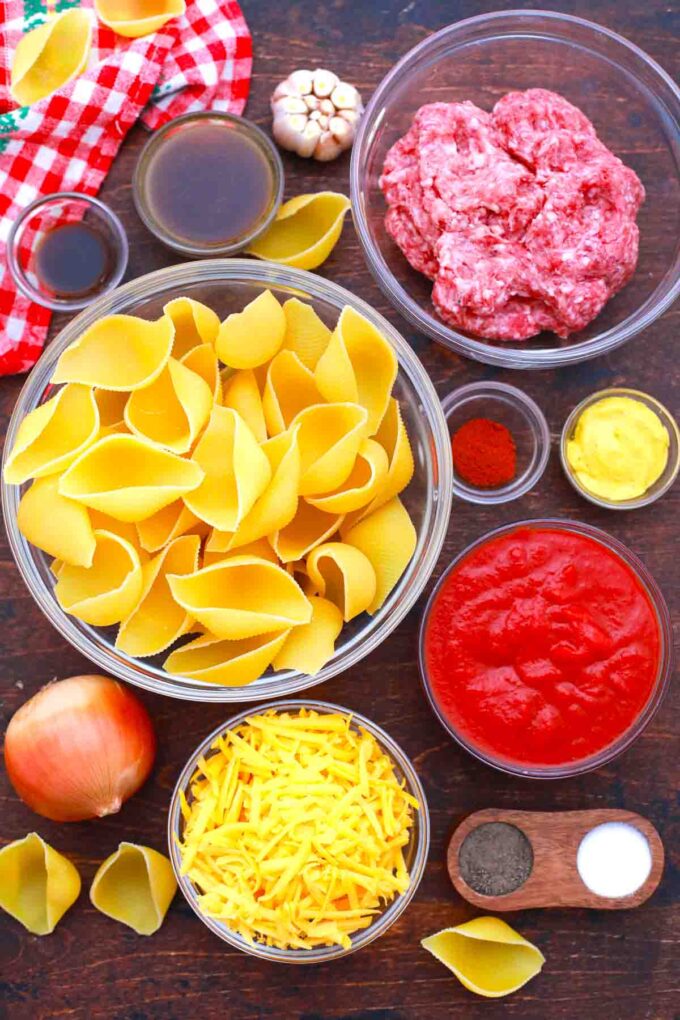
pixel 227 480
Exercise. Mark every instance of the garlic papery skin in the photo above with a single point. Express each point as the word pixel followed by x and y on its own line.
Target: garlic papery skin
pixel 315 114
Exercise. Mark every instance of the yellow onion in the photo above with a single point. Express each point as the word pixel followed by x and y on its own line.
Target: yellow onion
pixel 79 748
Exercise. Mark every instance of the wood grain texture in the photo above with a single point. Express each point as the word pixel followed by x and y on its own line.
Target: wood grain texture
pixel 555 837
pixel 624 963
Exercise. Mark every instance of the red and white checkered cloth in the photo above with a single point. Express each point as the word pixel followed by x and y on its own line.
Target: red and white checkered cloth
pixel 68 141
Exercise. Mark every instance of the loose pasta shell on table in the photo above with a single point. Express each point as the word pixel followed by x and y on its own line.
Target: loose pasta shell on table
pixel 195 325
pixel 289 389
pixel 486 955
pixel 329 438
pixel 306 334
pixel 108 590
pixel 359 365
pixel 166 525
pixel 118 352
pixel 53 435
pixel 135 886
pixel 308 648
pixel 305 231
pixel 228 663
pixel 57 525
pixel 236 471
pixel 37 883
pixel 366 480
pixel 50 56
pixel 388 539
pixel 344 575
pixel 252 337
pixel 185 400
pixel 203 361
pixel 242 394
pixel 129 478
pixel 157 620
pixel 241 597
pixel 136 18
pixel 308 528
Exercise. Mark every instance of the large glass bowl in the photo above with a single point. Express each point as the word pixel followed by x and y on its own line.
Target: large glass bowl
pixel 661 683
pixel 226 286
pixel 415 853
pixel 635 107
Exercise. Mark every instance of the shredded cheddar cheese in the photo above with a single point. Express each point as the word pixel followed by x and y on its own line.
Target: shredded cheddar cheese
pixel 294 829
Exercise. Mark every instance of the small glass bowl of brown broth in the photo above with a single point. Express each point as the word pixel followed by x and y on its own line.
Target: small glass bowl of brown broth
pixel 208 184
pixel 65 250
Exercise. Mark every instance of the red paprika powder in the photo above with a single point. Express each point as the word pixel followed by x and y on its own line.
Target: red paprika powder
pixel 484 453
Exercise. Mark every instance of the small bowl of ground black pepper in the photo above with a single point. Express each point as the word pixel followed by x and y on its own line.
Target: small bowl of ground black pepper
pixel 500 442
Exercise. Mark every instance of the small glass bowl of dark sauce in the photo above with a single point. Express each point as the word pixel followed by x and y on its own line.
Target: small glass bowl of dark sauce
pixel 65 250
pixel 208 184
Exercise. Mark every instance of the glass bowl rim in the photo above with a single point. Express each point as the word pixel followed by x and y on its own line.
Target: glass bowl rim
pixel 666 419
pixel 659 690
pixel 393 911
pixel 56 304
pixel 470 347
pixel 540 429
pixel 431 535
pixel 247 127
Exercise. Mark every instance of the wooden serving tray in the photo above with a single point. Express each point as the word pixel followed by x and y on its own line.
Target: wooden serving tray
pixel 554 880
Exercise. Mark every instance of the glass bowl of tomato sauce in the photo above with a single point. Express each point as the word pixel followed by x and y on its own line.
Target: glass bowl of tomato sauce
pixel 546 648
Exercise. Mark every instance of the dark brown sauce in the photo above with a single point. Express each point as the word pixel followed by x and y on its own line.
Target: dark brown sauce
pixel 73 260
pixel 209 184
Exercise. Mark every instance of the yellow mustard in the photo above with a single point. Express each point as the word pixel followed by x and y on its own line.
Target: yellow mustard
pixel 618 449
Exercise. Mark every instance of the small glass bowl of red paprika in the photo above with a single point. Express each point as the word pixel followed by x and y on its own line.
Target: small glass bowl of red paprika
pixel 500 442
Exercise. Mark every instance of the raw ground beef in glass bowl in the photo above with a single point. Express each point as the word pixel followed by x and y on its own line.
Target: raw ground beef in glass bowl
pixel 635 110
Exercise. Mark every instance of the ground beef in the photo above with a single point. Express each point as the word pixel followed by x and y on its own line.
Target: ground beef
pixel 523 219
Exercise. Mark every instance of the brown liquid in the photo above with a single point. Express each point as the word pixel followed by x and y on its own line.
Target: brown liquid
pixel 73 260
pixel 209 184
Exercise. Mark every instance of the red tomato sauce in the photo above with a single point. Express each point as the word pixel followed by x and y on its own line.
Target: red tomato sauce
pixel 542 647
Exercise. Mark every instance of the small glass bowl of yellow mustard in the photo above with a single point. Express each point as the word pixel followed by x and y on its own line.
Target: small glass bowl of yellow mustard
pixel 620 449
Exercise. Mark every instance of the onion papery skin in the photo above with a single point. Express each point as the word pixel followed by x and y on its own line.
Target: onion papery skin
pixel 79 748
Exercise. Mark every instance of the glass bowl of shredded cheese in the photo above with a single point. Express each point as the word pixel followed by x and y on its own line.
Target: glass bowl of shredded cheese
pixel 298 831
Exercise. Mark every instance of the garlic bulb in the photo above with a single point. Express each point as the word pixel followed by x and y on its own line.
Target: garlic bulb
pixel 315 114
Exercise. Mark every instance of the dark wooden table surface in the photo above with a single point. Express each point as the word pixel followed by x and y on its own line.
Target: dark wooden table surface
pixel 622 964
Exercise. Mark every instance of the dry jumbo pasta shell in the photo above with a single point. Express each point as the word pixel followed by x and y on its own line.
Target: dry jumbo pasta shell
pixel 309 647
pixel 250 338
pixel 108 590
pixel 329 438
pixel 135 886
pixel 388 539
pixel 186 401
pixel 305 231
pixel 50 56
pixel 236 471
pixel 231 663
pixel 366 480
pixel 203 361
pixel 241 597
pixel 136 18
pixel 358 365
pixel 157 620
pixel 57 525
pixel 195 325
pixel 129 478
pixel 306 334
pixel 486 955
pixel 242 394
pixel 344 575
pixel 37 883
pixel 119 352
pixel 289 389
pixel 308 528
pixel 52 435
pixel 166 525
